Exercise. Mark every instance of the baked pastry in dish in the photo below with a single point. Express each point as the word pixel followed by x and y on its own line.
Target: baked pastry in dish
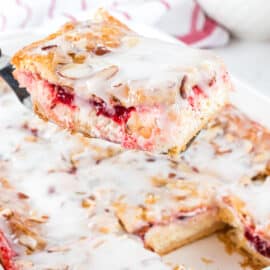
pixel 166 215
pixel 236 150
pixel 71 203
pixel 17 221
pixel 56 208
pixel 100 78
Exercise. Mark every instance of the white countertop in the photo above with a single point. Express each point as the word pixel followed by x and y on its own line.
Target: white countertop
pixel 248 61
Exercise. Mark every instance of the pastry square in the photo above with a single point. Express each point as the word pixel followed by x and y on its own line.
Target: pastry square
pixel 69 202
pixel 56 212
pixel 236 150
pixel 165 211
pixel 20 227
pixel 82 189
pixel 100 78
pixel 249 221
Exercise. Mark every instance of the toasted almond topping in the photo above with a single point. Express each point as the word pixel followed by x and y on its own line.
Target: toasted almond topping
pixel 104 229
pixel 159 182
pixel 77 58
pixel 5 183
pixel 120 207
pixel 206 260
pixel 99 243
pixel 22 196
pixel 107 73
pixel 6 213
pixel 151 198
pixel 88 203
pixel 180 197
pixel 48 47
pixel 58 249
pixel 101 50
pixel 75 71
pixel 182 88
pixel 28 242
pixel 174 151
pixel 41 219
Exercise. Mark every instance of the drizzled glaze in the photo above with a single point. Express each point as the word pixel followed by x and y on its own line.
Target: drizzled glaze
pixel 236 150
pixel 42 166
pixel 132 72
pixel 82 181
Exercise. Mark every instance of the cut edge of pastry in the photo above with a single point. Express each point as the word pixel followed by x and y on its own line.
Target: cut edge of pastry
pixel 164 239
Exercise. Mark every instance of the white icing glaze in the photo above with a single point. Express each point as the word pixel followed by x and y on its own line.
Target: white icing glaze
pixel 153 67
pixel 107 252
pixel 38 167
pixel 42 167
pixel 257 201
pixel 240 161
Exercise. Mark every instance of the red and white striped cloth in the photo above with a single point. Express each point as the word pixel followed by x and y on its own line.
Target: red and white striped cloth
pixel 184 19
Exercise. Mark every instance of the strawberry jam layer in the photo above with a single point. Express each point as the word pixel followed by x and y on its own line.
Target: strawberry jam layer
pixel 6 253
pixel 63 96
pixel 262 246
pixel 197 91
pixel 117 113
pixel 59 94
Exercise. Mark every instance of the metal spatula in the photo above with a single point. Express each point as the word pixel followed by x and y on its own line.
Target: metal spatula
pixel 6 70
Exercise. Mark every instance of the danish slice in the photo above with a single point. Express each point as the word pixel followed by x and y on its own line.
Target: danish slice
pixel 100 78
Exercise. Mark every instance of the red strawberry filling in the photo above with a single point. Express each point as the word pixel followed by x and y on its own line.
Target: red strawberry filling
pixel 261 245
pixel 117 113
pixel 64 95
pixel 6 253
pixel 197 92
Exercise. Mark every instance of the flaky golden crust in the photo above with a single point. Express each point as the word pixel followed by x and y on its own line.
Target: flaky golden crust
pixel 32 59
pixel 164 239
pixel 20 218
pixel 44 65
pixel 104 80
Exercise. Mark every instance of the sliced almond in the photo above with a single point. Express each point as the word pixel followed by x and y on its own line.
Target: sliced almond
pixel 58 249
pixel 28 242
pixel 158 181
pixel 41 219
pixel 107 73
pixel 6 212
pixel 88 203
pixel 75 71
pixel 151 198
